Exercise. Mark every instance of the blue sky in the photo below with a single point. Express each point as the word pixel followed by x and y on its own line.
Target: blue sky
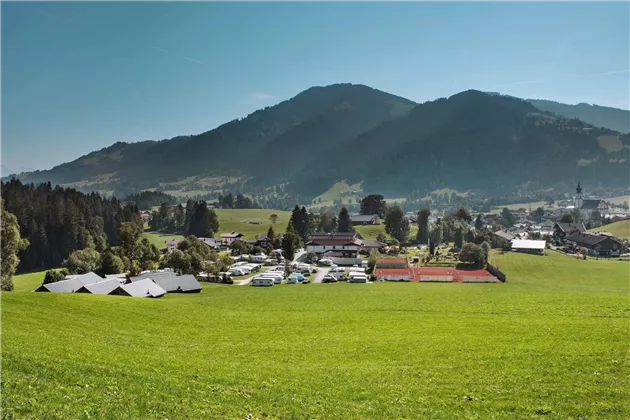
pixel 79 76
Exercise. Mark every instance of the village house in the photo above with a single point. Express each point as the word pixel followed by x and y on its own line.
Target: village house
pixel 172 244
pixel 361 219
pixel 561 230
pixel 600 246
pixel 344 243
pixel 228 238
pixel 502 239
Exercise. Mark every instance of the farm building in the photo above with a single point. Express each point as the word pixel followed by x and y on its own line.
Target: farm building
pixel 71 284
pixel 100 288
pixel 345 243
pixel 369 244
pixel 171 282
pixel 601 246
pixel 144 288
pixel 87 278
pixel 365 219
pixel 63 286
pixel 529 246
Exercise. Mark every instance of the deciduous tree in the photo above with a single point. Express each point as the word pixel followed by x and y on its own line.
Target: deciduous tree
pixel 396 224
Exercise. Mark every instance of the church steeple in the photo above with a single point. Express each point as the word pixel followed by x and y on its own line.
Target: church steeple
pixel 579 200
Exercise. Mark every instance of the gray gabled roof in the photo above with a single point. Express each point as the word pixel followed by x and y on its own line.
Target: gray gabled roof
pixel 571 227
pixel 504 235
pixel 145 288
pixel 171 282
pixel 63 286
pixel 100 288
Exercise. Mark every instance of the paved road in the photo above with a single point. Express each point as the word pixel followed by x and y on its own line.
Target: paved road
pixel 319 276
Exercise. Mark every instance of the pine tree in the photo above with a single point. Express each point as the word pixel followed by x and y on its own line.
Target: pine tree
pixel 478 222
pixel 343 221
pixel 423 226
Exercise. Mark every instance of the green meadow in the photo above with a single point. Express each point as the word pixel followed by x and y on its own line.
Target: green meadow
pixel 552 342
pixel 620 229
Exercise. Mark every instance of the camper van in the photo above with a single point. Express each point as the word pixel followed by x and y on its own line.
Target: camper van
pixel 262 281
pixel 277 278
pixel 364 264
pixel 358 278
pixel 356 270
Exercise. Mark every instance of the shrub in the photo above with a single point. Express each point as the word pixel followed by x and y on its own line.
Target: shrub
pixel 54 276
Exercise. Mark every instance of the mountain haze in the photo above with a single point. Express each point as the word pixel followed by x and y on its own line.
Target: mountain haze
pixel 599 116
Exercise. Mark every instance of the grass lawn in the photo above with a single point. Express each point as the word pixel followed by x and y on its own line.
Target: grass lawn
pixel 551 341
pixel 372 231
pixel 620 229
pixel 159 239
pixel 238 220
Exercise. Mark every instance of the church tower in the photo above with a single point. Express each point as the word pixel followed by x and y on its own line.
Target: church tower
pixel 579 199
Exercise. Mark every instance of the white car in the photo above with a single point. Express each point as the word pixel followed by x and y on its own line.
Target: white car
pixel 362 278
pixel 292 280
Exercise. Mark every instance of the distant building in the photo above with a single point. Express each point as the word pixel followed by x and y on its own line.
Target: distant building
pixel 230 237
pixel 172 244
pixel 602 246
pixel 588 205
pixel 345 243
pixel 561 230
pixel 529 246
pixel 361 219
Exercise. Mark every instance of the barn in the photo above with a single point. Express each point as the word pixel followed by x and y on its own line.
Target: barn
pixel 144 288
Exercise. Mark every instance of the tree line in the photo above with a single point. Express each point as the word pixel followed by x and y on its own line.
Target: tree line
pixel 145 200
pixel 195 219
pixel 57 221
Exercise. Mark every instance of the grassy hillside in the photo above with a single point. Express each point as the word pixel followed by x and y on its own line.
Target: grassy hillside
pixel 552 341
pixel 339 191
pixel 239 220
pixel 234 220
pixel 620 229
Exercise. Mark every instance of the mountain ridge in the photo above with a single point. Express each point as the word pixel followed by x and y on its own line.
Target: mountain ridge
pixel 343 131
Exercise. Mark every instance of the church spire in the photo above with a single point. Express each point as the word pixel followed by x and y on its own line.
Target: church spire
pixel 578 190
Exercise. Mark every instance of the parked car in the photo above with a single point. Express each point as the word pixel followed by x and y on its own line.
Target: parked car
pixel 314 269
pixel 297 276
pixel 329 279
pixel 306 272
pixel 306 281
pixel 339 276
pixel 292 280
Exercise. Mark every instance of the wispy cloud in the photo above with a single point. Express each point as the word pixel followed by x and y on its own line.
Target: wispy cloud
pixel 194 60
pixel 522 82
pixel 191 59
pixel 260 96
pixel 608 73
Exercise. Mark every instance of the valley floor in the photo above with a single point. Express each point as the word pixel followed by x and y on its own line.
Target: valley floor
pixel 551 341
